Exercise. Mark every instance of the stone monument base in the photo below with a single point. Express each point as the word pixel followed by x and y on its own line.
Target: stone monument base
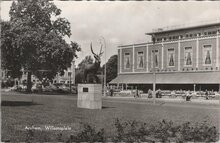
pixel 89 96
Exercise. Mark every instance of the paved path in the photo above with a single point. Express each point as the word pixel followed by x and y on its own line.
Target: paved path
pixel 120 99
pixel 172 100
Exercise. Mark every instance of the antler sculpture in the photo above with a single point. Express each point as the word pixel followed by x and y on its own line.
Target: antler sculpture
pixel 94 67
pixel 97 55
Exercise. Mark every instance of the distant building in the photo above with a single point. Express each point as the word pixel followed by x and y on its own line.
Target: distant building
pixel 186 57
pixel 69 76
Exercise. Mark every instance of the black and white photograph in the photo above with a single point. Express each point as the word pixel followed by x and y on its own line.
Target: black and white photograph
pixel 110 71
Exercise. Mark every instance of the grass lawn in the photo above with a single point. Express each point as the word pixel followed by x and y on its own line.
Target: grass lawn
pixel 61 110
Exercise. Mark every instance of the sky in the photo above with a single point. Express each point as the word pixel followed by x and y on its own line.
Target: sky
pixel 121 23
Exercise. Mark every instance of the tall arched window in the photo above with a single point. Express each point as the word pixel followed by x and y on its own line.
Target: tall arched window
pixel 188 56
pixel 127 61
pixel 207 55
pixel 156 58
pixel 140 60
pixel 171 57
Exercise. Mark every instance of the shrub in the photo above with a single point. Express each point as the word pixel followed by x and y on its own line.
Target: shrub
pixel 88 134
pixel 39 136
pixel 136 131
pixel 200 132
pixel 165 131
pixel 130 131
pixel 29 136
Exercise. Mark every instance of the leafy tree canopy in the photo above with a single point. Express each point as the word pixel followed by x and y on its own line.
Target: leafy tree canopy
pixel 33 39
pixel 111 68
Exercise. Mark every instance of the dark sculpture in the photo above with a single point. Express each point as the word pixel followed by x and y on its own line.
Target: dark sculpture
pixel 91 69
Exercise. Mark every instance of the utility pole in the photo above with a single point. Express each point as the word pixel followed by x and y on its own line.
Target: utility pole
pixel 69 74
pixel 154 70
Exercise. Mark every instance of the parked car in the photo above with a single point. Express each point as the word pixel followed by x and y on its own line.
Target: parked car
pixel 180 93
pixel 61 88
pixel 23 87
pixel 125 93
pixel 50 88
pixel 166 92
pixel 14 88
pixel 128 92
pixel 37 87
pixel 74 89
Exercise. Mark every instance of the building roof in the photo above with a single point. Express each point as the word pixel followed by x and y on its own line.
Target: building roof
pixel 185 26
pixel 135 44
pixel 170 78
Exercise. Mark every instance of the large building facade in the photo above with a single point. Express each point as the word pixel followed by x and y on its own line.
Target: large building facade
pixel 186 57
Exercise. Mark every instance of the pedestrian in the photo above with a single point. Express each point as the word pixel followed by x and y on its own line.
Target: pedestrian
pixel 156 93
pixel 207 95
pixel 111 92
pixel 172 94
pixel 136 93
pixel 149 93
pixel 188 96
pixel 159 93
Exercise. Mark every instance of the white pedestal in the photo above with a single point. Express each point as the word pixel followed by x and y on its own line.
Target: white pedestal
pixel 89 96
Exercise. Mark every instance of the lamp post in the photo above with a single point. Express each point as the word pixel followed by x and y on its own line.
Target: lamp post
pixel 69 73
pixel 104 67
pixel 154 71
pixel 194 88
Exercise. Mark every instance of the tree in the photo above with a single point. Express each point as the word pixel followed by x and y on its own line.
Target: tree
pixel 32 41
pixel 111 68
pixel 11 60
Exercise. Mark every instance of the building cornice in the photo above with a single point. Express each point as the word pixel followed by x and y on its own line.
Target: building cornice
pixel 167 42
pixel 183 27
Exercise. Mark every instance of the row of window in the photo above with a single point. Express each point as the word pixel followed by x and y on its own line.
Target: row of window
pixel 176 37
pixel 187 69
pixel 188 60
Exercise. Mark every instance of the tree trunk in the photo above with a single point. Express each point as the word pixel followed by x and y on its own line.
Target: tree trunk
pixel 29 84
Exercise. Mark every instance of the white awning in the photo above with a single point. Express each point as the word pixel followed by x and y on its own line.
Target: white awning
pixel 170 78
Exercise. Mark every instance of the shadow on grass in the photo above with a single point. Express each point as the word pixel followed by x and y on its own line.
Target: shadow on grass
pixel 18 103
pixel 106 107
pixel 47 93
